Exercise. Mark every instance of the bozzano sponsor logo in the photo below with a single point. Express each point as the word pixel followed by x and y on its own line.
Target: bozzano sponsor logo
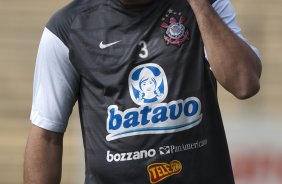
pixel 136 155
pixel 160 171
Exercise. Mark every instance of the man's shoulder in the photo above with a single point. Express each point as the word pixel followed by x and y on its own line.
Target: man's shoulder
pixel 61 21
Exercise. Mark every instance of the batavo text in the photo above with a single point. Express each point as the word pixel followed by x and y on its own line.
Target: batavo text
pixel 154 119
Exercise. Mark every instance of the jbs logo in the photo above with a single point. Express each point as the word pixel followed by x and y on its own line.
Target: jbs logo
pixel 160 171
pixel 148 88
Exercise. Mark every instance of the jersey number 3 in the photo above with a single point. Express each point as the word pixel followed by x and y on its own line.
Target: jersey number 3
pixel 144 50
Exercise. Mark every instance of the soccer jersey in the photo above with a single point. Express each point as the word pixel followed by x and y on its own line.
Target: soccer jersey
pixel 147 97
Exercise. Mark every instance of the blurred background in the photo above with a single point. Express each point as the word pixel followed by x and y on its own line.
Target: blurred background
pixel 253 127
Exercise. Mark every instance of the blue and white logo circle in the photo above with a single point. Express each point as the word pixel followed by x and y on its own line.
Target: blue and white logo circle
pixel 147 84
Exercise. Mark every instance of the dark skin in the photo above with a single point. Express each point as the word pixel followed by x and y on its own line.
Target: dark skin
pixel 234 64
pixel 43 157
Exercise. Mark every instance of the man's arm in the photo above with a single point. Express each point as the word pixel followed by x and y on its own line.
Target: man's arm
pixel 234 64
pixel 43 157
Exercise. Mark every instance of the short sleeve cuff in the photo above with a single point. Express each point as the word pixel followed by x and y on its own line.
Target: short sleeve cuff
pixel 46 124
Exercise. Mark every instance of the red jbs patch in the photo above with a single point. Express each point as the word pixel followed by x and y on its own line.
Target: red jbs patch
pixel 160 171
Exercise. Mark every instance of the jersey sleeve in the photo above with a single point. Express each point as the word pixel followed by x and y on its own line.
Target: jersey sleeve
pixel 55 84
pixel 226 11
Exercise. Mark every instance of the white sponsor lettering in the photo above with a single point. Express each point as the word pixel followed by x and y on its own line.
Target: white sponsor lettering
pixel 183 147
pixel 154 119
pixel 136 155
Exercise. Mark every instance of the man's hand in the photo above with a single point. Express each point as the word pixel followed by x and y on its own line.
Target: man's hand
pixel 43 157
pixel 234 64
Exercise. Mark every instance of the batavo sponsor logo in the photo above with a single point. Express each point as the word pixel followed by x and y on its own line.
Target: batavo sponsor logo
pixel 148 88
pixel 160 171
pixel 129 156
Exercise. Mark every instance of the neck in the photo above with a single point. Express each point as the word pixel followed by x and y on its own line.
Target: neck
pixel 135 2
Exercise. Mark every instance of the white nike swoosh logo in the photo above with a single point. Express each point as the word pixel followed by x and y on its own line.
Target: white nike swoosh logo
pixel 103 46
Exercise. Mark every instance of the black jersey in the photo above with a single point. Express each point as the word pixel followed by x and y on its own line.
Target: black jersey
pixel 147 97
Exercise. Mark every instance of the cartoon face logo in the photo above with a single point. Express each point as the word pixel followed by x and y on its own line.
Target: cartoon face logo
pixel 147 84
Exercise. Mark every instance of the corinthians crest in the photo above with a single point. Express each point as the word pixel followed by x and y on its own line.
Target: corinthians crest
pixel 176 33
